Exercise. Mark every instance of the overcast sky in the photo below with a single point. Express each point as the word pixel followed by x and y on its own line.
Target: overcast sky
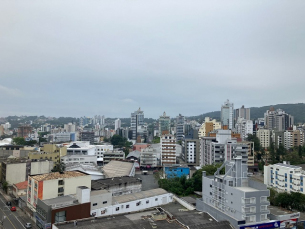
pixel 108 57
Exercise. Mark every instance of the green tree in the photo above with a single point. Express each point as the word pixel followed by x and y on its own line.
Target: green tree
pixel 253 138
pixel 4 185
pixel 272 153
pixel 19 141
pixel 156 140
pixel 59 167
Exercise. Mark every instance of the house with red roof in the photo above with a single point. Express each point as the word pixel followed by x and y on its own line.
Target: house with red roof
pixel 20 189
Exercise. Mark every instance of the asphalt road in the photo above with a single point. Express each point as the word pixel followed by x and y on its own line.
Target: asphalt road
pixel 11 220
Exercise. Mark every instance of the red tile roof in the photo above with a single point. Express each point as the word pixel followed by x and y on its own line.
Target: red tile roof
pixel 22 185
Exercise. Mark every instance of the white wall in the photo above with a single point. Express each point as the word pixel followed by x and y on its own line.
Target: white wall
pixel 152 202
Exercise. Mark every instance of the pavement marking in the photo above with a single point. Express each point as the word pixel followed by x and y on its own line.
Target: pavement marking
pixel 13 215
pixel 9 219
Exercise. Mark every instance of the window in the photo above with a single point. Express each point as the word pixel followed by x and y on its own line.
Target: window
pixel 156 199
pixel 117 208
pixel 60 216
pixel 138 203
pixel 94 204
pixel 147 201
pixel 60 182
pixel 104 202
pixel 127 206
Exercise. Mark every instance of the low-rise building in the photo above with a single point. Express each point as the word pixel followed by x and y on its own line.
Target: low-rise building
pixel 20 189
pixel 150 157
pixel 63 208
pixel 119 169
pixel 55 184
pixel 134 202
pixel 118 185
pixel 52 152
pixel 113 155
pixel 172 171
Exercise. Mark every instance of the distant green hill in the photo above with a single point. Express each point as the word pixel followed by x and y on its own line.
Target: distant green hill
pixel 297 110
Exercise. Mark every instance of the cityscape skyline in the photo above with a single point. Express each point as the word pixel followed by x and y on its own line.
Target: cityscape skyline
pixel 117 57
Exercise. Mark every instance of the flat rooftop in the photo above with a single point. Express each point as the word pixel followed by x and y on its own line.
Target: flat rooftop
pixel 193 219
pixel 57 175
pixel 289 166
pixel 247 189
pixel 138 195
pixel 108 182
pixel 61 201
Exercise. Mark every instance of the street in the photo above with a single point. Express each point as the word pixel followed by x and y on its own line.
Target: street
pixel 11 220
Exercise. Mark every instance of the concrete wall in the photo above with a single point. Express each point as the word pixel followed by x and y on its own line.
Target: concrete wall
pixel 98 201
pixel 41 167
pixel 71 183
pixel 15 173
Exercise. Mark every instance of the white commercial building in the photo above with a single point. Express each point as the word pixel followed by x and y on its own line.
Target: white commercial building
pixel 100 150
pixel 128 203
pixel 284 177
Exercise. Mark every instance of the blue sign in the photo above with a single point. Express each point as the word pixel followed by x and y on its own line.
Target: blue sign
pixel 269 225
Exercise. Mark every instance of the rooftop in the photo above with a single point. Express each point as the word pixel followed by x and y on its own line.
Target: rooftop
pixel 138 195
pixel 247 189
pixel 289 166
pixel 117 168
pixel 57 175
pixel 192 219
pixel 22 185
pixel 105 183
pixel 61 201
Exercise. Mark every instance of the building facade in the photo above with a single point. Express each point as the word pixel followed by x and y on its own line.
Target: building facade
pixel 285 177
pixel 264 137
pixel 52 185
pixel 164 124
pixel 227 115
pixel 244 127
pixel 208 126
pixel 233 196
pixel 180 124
pixel 168 149
pixel 137 120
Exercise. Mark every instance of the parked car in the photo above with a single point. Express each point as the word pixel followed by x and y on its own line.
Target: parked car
pixel 28 225
pixel 13 209
pixel 8 203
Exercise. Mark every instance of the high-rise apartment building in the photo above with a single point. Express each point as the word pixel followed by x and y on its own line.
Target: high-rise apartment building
pixel 164 124
pixel 221 148
pixel 227 115
pixel 168 149
pixel 208 126
pixel 137 120
pixel 70 127
pixel 87 136
pixel 264 137
pixel 242 113
pixel 244 127
pixel 278 120
pixel 24 131
pixel 117 124
pixel 180 124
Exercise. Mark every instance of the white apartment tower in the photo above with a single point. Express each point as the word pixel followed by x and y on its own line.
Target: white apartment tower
pixel 117 124
pixel 244 127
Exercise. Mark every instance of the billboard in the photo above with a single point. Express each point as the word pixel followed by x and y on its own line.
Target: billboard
pixel 268 225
